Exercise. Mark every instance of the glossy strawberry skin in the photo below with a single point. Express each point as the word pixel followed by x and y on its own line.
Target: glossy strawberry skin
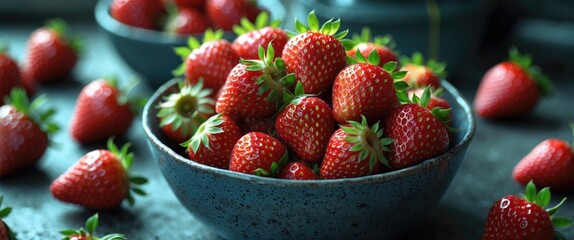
pixel 418 135
pixel 225 13
pixel 137 13
pixel 297 171
pixel 50 57
pixel 341 162
pixel 506 90
pixel 306 128
pixel 363 89
pixel 549 164
pixel 385 54
pixel 256 150
pixel 239 95
pixel 316 59
pixel 212 61
pixel 514 218
pixel 98 115
pixel 189 21
pixel 221 145
pixel 419 76
pixel 23 142
pixel 96 181
pixel 9 75
pixel 246 45
pixel 190 3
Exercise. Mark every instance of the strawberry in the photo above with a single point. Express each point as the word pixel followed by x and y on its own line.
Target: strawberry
pixel 226 13
pixel 435 99
pixel 418 133
pixel 259 154
pixel 366 89
pixel 297 171
pixel 212 143
pixel 99 180
pixel 211 60
pixel 24 130
pixel 254 88
pixel 5 232
pixel 365 44
pixel 27 82
pixel 420 73
pixel 52 54
pixel 101 111
pixel 9 74
pixel 252 35
pixel 138 13
pixel 198 4
pixel 354 150
pixel 182 112
pixel 88 233
pixel 264 125
pixel 305 126
pixel 513 217
pixel 511 88
pixel 315 55
pixel 549 164
pixel 185 20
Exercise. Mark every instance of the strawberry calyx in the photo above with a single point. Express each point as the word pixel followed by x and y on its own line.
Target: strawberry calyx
pixel 440 113
pixel 201 136
pixel 186 110
pixel 543 82
pixel 329 28
pixel 135 103
pixel 43 118
pixel 126 158
pixel 438 68
pixel 275 167
pixel 368 141
pixel 542 198
pixel 4 212
pixel 192 44
pixel 261 21
pixel 60 27
pixel 88 232
pixel 366 37
pixel 274 79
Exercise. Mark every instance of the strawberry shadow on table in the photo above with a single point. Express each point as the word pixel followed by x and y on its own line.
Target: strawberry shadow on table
pixel 31 179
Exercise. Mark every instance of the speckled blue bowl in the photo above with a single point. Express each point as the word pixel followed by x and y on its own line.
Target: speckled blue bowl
pixel 241 206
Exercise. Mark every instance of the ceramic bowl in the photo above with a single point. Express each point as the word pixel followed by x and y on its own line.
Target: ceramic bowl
pixel 149 52
pixel 241 206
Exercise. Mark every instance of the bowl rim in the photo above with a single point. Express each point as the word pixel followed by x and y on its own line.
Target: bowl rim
pixel 463 144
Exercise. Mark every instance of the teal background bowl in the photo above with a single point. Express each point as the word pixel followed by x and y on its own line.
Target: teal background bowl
pixel 241 206
pixel 150 53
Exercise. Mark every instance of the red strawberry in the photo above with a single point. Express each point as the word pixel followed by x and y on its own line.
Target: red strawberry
pixel 315 55
pixel 435 99
pixel 101 111
pixel 511 88
pixel 182 112
pixel 305 126
pixel 254 87
pixel 212 143
pixel 366 89
pixel 513 217
pixel 99 180
pixel 355 150
pixel 5 232
pixel 549 164
pixel 138 13
pixel 264 125
pixel 199 4
pixel 24 130
pixel 27 81
pixel 52 54
pixel 185 20
pixel 226 13
pixel 297 171
pixel 261 33
pixel 366 44
pixel 211 61
pixel 418 132
pixel 259 154
pixel 9 74
pixel 421 74
pixel 88 234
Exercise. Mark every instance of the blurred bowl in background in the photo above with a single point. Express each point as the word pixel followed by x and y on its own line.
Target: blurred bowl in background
pixel 42 8
pixel 149 52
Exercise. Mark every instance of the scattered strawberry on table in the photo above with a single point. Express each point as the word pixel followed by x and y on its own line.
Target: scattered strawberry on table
pixel 88 233
pixel 99 180
pixel 549 164
pixel 5 232
pixel 25 129
pixel 514 217
pixel 511 88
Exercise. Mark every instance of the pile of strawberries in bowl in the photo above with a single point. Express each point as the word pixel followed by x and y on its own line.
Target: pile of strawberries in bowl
pixel 292 129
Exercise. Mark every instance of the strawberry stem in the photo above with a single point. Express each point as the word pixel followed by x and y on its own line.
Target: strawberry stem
pixel 543 82
pixel 368 141
pixel 542 198
pixel 201 136
pixel 91 225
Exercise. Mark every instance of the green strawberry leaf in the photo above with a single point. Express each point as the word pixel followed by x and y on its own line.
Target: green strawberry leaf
pixel 561 222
